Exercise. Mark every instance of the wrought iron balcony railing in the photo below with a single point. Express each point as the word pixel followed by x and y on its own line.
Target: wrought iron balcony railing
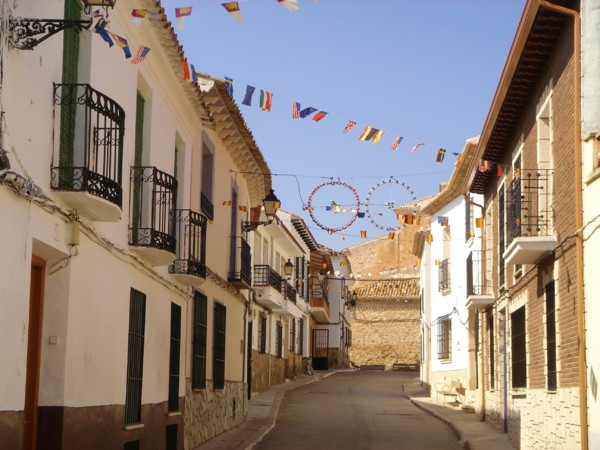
pixel 153 199
pixel 265 276
pixel 444 276
pixel 191 244
pixel 240 263
pixel 288 291
pixel 475 279
pixel 529 204
pixel 318 290
pixel 206 207
pixel 89 128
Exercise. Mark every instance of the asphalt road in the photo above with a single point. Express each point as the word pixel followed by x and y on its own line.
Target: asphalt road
pixel 356 410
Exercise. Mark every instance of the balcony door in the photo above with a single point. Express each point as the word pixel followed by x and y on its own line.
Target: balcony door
pixel 320 349
pixel 34 347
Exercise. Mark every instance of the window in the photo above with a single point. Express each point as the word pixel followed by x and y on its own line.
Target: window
pixel 519 348
pixel 300 335
pixel 292 334
pixel 551 336
pixel 501 236
pixel 262 334
pixel 445 338
pixel 206 194
pixel 174 355
pixel 199 342
pixel 492 350
pixel 135 357
pixel 279 340
pixel 131 445
pixel 444 276
pixel 220 312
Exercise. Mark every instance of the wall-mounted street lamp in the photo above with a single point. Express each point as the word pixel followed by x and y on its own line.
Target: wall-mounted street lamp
pixel 270 204
pixel 288 268
pixel 26 33
pixel 321 275
pixel 352 301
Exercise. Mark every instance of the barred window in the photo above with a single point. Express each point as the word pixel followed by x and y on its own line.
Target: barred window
pixel 174 357
pixel 262 334
pixel 135 357
pixel 551 336
pixel 519 348
pixel 220 312
pixel 199 342
pixel 279 340
pixel 445 338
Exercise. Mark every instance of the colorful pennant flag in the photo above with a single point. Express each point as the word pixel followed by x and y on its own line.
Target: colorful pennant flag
pixel 439 157
pixel 266 100
pixel 229 86
pixel 377 136
pixel 138 16
pixel 367 133
pixel 141 54
pixel 416 146
pixel 306 111
pixel 350 125
pixel 233 8
pixel 396 143
pixel 471 233
pixel 409 219
pixel 363 234
pixel 443 220
pixel 478 222
pixel 242 208
pixel 99 28
pixel 180 15
pixel 361 215
pixel 226 202
pixel 290 5
pixel 318 116
pixel 430 238
pixel 295 110
pixel 122 42
pixel 391 235
pixel 500 170
pixel 248 97
pixel 437 262
pixel 189 72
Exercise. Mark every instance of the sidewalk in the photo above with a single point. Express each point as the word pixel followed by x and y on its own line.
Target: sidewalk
pixel 262 413
pixel 472 433
pixel 264 407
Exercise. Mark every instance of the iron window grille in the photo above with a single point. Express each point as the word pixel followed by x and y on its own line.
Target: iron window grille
pixel 444 276
pixel 262 336
pixel 199 341
pixel 519 348
pixel 279 340
pixel 240 264
pixel 206 207
pixel 444 340
pixel 135 357
pixel 89 130
pixel 475 279
pixel 300 335
pixel 501 237
pixel 292 334
pixel 491 337
pixel 551 337
pixel 220 312
pixel 191 244
pixel 154 195
pixel 174 358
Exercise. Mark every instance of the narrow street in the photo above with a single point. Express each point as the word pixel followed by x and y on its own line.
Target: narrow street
pixel 356 410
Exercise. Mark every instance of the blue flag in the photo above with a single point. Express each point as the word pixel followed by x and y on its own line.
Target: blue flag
pixel 248 97
pixel 229 85
pixel 307 112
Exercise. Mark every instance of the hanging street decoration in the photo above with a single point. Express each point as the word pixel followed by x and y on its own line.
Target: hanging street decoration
pixel 180 15
pixel 439 157
pixel 233 8
pixel 354 211
pixel 388 206
pixel 290 5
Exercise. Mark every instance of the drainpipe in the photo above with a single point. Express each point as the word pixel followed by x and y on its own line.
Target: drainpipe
pixel 481 313
pixel 578 212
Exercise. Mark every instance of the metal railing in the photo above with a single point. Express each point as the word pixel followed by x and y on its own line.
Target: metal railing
pixel 89 127
pixel 191 244
pixel 476 282
pixel 265 276
pixel 529 204
pixel 288 291
pixel 153 197
pixel 240 264
pixel 444 276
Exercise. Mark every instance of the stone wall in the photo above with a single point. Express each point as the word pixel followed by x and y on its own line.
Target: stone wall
pixel 385 332
pixel 209 412
pixel 269 370
pixel 338 359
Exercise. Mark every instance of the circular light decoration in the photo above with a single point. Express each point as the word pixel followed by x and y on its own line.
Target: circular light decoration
pixel 387 206
pixel 355 210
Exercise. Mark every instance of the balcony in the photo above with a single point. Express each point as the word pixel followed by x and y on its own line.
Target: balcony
pixel 319 304
pixel 289 292
pixel 240 263
pixel 189 267
pixel 268 284
pixel 152 224
pixel 207 207
pixel 479 295
pixel 444 277
pixel 87 173
pixel 530 233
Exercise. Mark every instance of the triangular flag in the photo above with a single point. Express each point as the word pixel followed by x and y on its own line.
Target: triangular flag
pixel 350 125
pixel 290 5
pixel 248 97
pixel 318 116
pixel 180 15
pixel 266 100
pixel 229 86
pixel 233 8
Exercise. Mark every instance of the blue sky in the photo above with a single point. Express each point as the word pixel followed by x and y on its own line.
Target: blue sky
pixel 425 70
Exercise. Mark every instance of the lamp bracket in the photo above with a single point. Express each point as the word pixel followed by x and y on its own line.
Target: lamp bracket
pixel 22 31
pixel 249 226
